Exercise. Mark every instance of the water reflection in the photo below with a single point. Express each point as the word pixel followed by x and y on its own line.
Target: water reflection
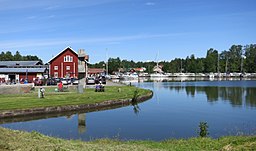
pixel 180 79
pixel 229 107
pixel 136 108
pixel 81 123
pixel 237 96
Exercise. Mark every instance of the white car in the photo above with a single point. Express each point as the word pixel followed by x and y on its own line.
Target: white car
pixel 90 80
pixel 64 81
pixel 74 81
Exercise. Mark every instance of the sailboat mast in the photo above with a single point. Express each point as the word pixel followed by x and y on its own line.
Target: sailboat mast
pixel 218 70
pixel 180 65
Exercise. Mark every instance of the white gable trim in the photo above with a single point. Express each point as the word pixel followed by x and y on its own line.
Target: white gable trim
pixel 62 52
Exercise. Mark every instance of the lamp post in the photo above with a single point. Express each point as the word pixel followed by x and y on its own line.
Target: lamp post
pixel 106 61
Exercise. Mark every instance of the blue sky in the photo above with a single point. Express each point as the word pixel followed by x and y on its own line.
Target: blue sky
pixel 130 29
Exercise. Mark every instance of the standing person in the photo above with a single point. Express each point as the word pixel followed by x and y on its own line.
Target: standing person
pixel 101 87
pixel 60 86
pixel 97 88
pixel 42 90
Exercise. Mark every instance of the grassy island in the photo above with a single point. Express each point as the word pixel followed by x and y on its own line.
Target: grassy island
pixel 52 98
pixel 19 140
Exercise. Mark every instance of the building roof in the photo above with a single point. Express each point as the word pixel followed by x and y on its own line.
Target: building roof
pixel 158 69
pixel 62 52
pixel 139 69
pixel 19 63
pixel 22 70
pixel 95 70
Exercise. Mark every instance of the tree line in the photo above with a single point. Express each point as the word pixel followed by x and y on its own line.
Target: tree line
pixel 8 56
pixel 237 59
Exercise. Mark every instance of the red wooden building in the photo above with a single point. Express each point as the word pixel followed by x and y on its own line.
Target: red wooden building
pixel 64 64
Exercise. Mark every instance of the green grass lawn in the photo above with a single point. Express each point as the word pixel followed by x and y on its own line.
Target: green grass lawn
pixel 52 98
pixel 19 140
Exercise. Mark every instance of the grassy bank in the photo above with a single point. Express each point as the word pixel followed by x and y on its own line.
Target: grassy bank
pixel 52 98
pixel 19 140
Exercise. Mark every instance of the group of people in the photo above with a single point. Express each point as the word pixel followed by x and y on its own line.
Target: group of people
pixel 99 87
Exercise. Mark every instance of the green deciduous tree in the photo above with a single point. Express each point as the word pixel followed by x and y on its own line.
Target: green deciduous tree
pixel 236 53
pixel 250 60
pixel 211 61
pixel 17 56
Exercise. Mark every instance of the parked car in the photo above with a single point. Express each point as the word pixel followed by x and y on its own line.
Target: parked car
pixel 90 80
pixel 57 80
pixel 64 81
pixel 74 81
pixel 51 81
pixel 69 81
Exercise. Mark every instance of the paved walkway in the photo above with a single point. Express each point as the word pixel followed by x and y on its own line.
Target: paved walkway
pixel 111 83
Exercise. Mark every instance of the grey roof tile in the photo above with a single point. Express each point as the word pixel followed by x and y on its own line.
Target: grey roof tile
pixel 22 70
pixel 20 63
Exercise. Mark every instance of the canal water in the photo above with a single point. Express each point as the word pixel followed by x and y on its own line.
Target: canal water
pixel 175 111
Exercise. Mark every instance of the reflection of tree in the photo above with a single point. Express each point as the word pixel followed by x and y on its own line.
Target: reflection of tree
pixel 235 95
pixel 211 93
pixel 177 88
pixel 250 98
pixel 191 90
pixel 136 108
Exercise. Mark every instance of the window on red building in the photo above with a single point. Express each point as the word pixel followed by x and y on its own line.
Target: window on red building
pixel 56 74
pixel 68 58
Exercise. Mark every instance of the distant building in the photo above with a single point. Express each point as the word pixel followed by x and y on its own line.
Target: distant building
pixel 158 68
pixel 142 69
pixel 68 64
pixel 21 70
pixel 96 71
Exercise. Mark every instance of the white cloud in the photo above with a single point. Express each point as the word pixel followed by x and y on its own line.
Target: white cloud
pixel 150 3
pixel 51 16
pixel 71 41
pixel 31 17
pixel 52 7
pixel 49 4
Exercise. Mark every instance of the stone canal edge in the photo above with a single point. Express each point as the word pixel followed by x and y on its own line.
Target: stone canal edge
pixel 81 107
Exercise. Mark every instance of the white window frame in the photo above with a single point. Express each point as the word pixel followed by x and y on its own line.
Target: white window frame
pixel 56 68
pixel 67 67
pixel 68 58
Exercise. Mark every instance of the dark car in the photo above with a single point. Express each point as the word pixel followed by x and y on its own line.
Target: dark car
pixel 57 80
pixel 74 81
pixel 51 81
